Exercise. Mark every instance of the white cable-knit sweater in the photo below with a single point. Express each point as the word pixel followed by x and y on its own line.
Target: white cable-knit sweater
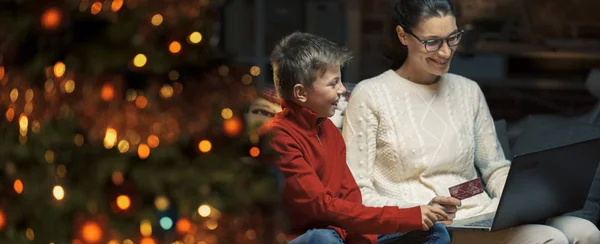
pixel 408 142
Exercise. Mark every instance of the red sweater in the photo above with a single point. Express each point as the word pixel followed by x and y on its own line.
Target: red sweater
pixel 320 191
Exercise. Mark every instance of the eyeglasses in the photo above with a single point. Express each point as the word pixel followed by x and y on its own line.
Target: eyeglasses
pixel 435 44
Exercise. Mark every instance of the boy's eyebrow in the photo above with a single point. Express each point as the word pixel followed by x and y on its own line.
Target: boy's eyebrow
pixel 439 37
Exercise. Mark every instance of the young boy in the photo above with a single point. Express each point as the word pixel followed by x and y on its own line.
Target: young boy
pixel 321 198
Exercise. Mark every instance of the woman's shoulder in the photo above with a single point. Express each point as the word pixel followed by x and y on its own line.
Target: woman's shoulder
pixel 459 82
pixel 374 81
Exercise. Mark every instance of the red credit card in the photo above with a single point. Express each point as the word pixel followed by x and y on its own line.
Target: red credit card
pixel 467 189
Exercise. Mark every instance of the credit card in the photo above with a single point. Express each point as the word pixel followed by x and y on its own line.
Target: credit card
pixel 467 189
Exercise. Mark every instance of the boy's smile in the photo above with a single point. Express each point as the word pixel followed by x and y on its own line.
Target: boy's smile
pixel 323 95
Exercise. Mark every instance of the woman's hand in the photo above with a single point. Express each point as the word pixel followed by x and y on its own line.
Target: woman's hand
pixel 449 205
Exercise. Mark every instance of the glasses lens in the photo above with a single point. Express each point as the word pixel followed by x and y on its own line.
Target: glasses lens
pixel 433 45
pixel 454 40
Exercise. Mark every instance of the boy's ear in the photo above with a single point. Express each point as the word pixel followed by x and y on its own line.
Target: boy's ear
pixel 299 93
pixel 401 35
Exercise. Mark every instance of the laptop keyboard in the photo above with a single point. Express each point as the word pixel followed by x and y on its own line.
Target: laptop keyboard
pixel 482 223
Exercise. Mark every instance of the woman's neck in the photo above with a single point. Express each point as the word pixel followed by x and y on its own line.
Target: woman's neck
pixel 415 75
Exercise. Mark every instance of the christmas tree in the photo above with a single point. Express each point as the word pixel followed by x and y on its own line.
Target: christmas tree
pixel 122 122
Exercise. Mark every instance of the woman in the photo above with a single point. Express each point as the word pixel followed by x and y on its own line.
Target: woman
pixel 414 131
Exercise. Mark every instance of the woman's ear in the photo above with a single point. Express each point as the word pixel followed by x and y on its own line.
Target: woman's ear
pixel 299 92
pixel 401 35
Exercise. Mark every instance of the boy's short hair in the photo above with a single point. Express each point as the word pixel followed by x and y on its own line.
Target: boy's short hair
pixel 299 57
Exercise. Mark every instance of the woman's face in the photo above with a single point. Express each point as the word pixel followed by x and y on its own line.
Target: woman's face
pixel 432 31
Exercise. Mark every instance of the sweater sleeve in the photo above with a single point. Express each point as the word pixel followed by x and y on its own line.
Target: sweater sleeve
pixel 304 191
pixel 360 133
pixel 489 156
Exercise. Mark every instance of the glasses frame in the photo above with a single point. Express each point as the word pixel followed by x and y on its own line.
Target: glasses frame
pixel 460 32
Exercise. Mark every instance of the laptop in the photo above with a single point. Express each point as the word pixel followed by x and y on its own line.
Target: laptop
pixel 541 185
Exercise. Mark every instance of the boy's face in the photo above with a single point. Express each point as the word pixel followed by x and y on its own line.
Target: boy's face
pixel 324 93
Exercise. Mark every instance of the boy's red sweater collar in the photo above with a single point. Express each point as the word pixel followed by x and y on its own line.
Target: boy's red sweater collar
pixel 305 118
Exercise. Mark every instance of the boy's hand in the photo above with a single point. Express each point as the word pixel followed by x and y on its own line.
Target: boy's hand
pixel 431 214
pixel 449 205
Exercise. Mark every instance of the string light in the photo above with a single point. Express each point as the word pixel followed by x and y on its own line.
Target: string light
pixel 107 92
pixel 166 223
pixel 117 177
pixel 18 186
pixel 140 60
pixel 232 127
pixel 146 228
pixel 212 224
pixel 96 8
pixel 183 226
pixel 14 95
pixel 156 20
pixel 161 203
pixel 143 151
pixel 2 219
pixel 195 37
pixel 204 210
pixel 49 156
pixel 29 234
pixel 123 202
pixel 255 71
pixel 110 138
pixel 61 171
pixel 123 146
pixel 141 102
pixel 226 113
pixel 58 192
pixel 91 232
pixel 59 69
pixel 116 5
pixel 69 86
pixel 10 114
pixel 166 91
pixel 204 146
pixel 2 72
pixel 175 47
pixel 147 240
pixel 78 140
pixel 254 152
pixel 51 18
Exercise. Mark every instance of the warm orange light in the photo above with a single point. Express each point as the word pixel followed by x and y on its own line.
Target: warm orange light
pixel 2 220
pixel 156 20
pixel 141 102
pixel 255 71
pixel 166 91
pixel 96 8
pixel 91 232
pixel 143 151
pixel 10 114
pixel 204 146
pixel 140 60
pixel 147 240
pixel 1 72
pixel 18 185
pixel 51 18
pixel 175 47
pixel 59 69
pixel 110 138
pixel 153 141
pixel 117 177
pixel 123 202
pixel 254 152
pixel 232 127
pixel 183 226
pixel 107 92
pixel 195 37
pixel 116 5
